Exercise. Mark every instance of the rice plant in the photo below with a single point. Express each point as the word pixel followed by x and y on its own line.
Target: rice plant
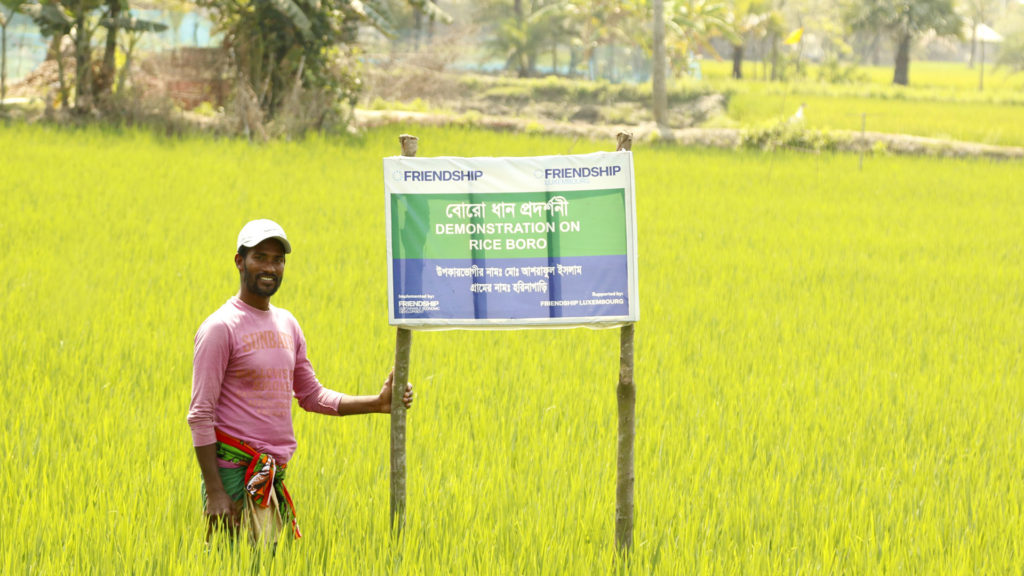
pixel 828 367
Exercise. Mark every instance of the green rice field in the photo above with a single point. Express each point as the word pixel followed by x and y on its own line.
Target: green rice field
pixel 942 101
pixel 924 75
pixel 982 122
pixel 829 367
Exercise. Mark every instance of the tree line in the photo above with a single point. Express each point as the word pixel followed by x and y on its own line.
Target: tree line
pixel 285 51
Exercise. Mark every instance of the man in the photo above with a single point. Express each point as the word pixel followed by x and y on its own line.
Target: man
pixel 250 360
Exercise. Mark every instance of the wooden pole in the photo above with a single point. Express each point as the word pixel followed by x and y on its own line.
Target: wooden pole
pixel 626 393
pixel 403 346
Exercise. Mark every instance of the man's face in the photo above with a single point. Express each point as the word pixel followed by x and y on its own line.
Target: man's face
pixel 262 269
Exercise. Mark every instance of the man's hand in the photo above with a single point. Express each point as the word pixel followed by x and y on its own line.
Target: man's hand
pixel 385 394
pixel 222 512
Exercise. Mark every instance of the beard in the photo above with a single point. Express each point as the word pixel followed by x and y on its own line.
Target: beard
pixel 254 285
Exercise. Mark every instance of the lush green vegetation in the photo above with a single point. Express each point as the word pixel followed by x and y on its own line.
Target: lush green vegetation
pixel 931 81
pixel 942 103
pixel 828 367
pixel 972 122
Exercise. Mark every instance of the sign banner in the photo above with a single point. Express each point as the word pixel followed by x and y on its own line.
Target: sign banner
pixel 511 242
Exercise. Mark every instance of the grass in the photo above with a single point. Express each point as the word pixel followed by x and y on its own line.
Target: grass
pixel 924 76
pixel 940 103
pixel 828 367
pixel 970 122
pixel 943 101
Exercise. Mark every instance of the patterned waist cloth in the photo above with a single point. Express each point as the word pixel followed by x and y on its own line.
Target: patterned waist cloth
pixel 262 473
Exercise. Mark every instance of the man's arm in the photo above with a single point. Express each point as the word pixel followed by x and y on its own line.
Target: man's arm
pixel 314 397
pixel 212 350
pixel 217 501
pixel 381 403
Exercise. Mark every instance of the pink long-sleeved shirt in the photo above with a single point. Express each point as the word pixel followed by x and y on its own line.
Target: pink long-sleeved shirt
pixel 248 364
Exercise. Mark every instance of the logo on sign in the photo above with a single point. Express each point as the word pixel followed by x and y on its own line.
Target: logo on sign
pixel 437 175
pixel 417 304
pixel 577 175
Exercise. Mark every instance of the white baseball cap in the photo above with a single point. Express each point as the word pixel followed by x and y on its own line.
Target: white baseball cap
pixel 257 231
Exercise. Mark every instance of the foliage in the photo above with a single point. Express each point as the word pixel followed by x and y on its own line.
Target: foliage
pixel 752 20
pixel 579 92
pixel 977 12
pixel 81 20
pixel 982 121
pixel 835 69
pixel 933 81
pixel 787 134
pixel 914 17
pixel 522 31
pixel 405 18
pixel 905 21
pixel 282 47
pixel 837 62
pixel 52 18
pixel 12 6
pixel 606 24
pixel 691 24
pixel 518 38
pixel 54 24
pixel 1011 53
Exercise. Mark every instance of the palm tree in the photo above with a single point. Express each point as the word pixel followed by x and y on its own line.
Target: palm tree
pixel 432 11
pixel 520 38
pixel 693 23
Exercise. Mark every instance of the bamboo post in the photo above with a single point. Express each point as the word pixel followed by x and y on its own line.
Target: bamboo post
pixel 403 346
pixel 626 393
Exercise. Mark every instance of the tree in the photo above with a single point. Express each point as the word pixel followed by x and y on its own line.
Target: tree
pixel 1011 53
pixel 822 20
pixel 112 22
pixel 519 38
pixel 905 20
pixel 660 92
pixel 83 30
pixel 5 20
pixel 608 24
pixel 432 12
pixel 524 30
pixel 977 12
pixel 693 23
pixel 557 27
pixel 749 18
pixel 517 41
pixel 282 47
pixel 78 18
pixel 116 18
pixel 133 28
pixel 55 23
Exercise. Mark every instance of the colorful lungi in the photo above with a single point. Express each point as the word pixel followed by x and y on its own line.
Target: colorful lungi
pixel 259 475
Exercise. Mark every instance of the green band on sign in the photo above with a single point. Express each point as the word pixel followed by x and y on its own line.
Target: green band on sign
pixel 521 225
